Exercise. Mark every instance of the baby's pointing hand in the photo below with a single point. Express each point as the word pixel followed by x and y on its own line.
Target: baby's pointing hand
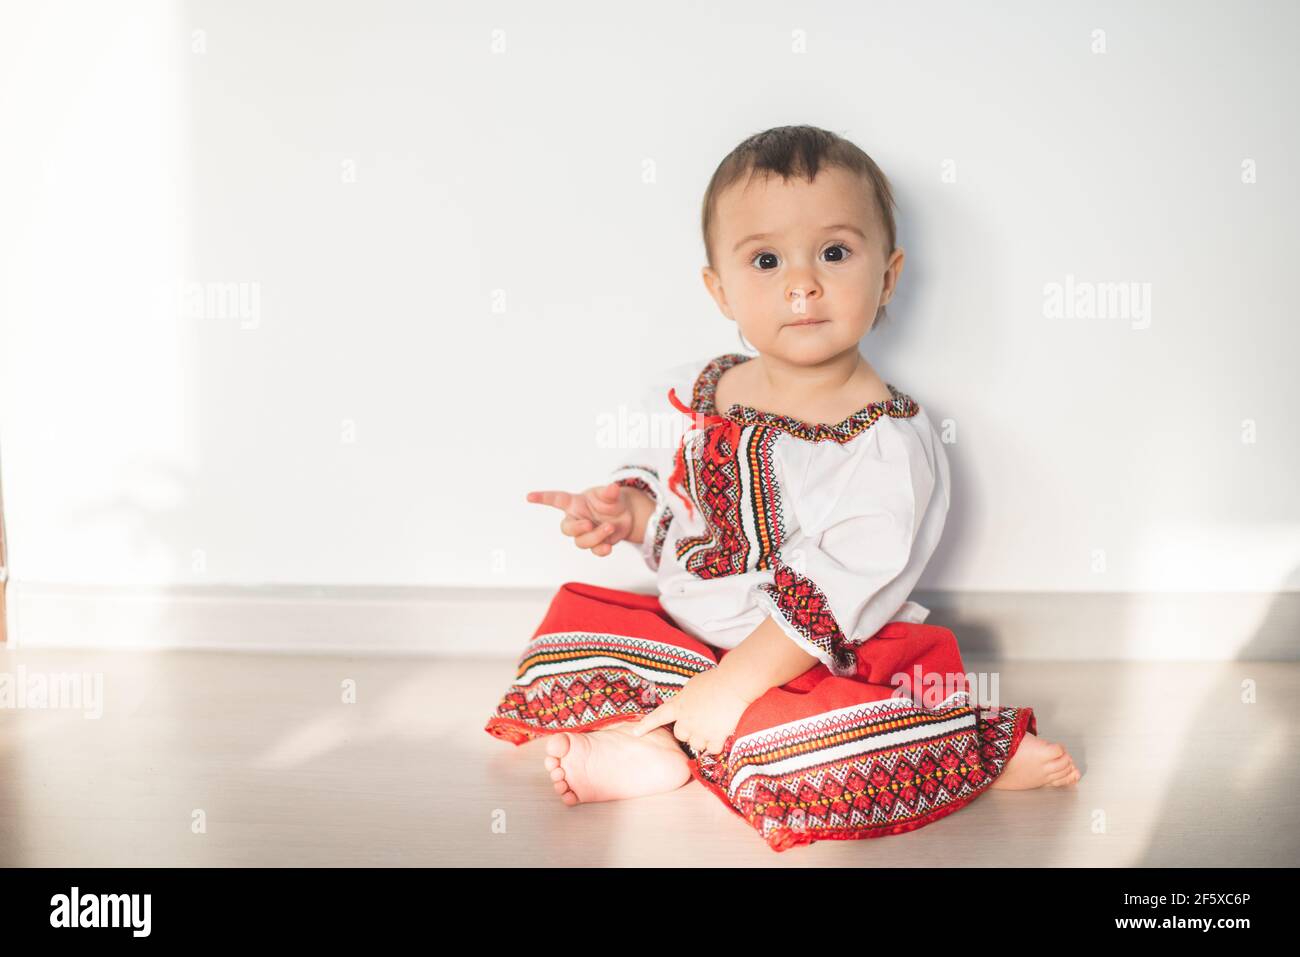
pixel 597 518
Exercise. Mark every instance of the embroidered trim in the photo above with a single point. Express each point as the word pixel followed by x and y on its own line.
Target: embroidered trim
pixel 908 767
pixel 771 742
pixel 661 534
pixel 656 531
pixel 582 680
pixel 807 610
pixel 901 406
pixel 740 500
pixel 637 483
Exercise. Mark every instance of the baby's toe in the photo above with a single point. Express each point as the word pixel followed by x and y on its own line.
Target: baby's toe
pixel 1063 778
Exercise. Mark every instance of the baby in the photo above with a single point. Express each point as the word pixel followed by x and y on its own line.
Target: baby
pixel 799 237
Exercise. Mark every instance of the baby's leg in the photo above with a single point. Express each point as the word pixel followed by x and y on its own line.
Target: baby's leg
pixel 611 764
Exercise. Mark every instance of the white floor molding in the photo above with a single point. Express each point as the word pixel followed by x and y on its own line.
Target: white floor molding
pixel 491 622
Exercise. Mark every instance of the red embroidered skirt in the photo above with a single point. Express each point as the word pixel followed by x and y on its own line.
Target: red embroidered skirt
pixel 819 758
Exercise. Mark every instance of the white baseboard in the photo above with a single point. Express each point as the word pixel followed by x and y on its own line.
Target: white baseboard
pixel 463 622
pixel 497 622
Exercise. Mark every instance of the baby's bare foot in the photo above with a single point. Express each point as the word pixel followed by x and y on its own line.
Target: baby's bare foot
pixel 1038 763
pixel 609 765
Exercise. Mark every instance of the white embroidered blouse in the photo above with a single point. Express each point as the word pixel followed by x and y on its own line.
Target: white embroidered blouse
pixel 826 528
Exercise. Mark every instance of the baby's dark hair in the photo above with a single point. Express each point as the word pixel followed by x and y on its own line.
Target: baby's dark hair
pixel 797 151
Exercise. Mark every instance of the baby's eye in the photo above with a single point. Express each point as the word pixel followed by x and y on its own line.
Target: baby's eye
pixel 836 252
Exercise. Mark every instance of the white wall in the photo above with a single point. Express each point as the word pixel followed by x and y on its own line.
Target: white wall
pixel 382 181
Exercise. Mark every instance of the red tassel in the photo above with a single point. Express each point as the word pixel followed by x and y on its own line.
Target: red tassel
pixel 676 483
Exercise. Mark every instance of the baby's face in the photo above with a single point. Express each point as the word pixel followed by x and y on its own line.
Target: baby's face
pixel 822 257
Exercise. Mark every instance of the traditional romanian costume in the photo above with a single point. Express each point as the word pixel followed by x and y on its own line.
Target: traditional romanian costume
pixel 826 529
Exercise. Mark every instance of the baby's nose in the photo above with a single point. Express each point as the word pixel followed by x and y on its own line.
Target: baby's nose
pixel 799 296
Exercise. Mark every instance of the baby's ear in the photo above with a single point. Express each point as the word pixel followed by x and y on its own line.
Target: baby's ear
pixel 713 283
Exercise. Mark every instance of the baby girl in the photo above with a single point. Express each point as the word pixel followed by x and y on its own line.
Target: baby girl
pixel 786 531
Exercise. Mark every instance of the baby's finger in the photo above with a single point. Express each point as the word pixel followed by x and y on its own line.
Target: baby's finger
pixel 609 494
pixel 555 498
pixel 595 536
pixel 603 502
pixel 660 716
pixel 572 525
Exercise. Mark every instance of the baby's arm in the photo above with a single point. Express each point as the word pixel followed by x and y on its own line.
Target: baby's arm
pixel 766 659
pixel 709 706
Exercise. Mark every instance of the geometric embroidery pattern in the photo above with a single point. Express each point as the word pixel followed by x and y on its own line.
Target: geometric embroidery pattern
pixel 899 406
pixel 865 771
pixel 807 610
pixel 726 548
pixel 583 680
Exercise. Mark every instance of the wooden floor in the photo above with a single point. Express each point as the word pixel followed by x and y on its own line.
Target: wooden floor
pixel 233 759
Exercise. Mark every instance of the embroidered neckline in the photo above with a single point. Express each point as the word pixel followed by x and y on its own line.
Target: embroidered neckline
pixel 901 406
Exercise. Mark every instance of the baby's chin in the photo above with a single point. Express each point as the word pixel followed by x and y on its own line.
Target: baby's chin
pixel 809 343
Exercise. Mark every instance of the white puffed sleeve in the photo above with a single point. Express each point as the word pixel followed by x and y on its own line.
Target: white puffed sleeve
pixel 871 512
pixel 643 456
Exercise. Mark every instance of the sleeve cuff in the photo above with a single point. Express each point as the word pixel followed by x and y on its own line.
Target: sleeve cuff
pixel 653 535
pixel 819 636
